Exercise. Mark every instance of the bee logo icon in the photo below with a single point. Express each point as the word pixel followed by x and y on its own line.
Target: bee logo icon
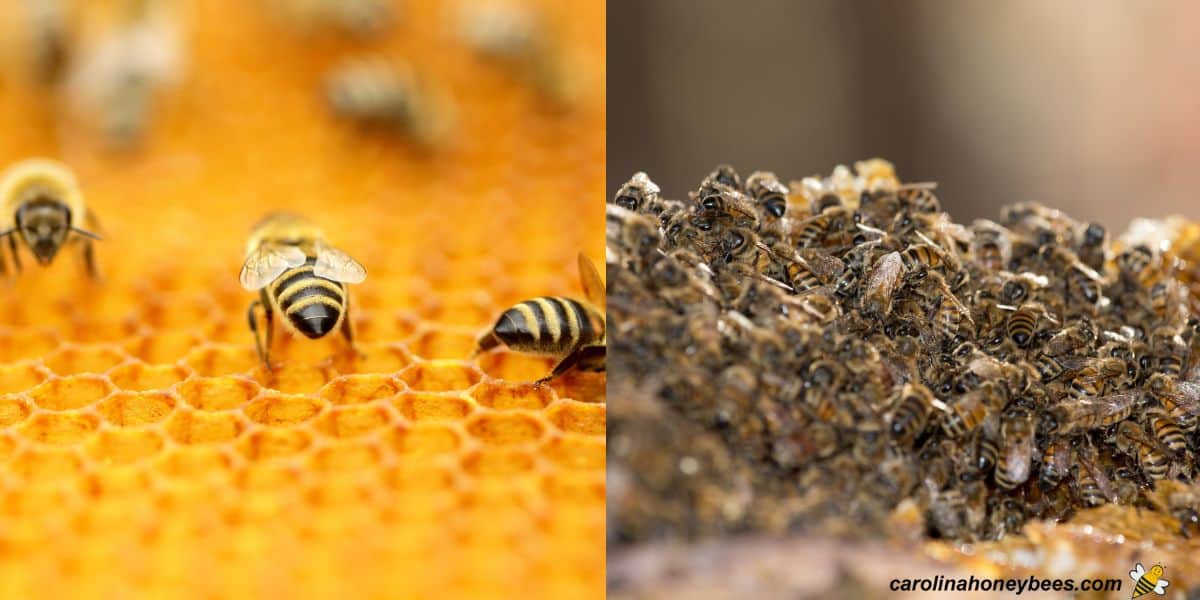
pixel 1148 581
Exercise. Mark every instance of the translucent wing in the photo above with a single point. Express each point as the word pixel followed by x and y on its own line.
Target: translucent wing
pixel 593 286
pixel 337 265
pixel 1137 572
pixel 266 263
pixel 1160 588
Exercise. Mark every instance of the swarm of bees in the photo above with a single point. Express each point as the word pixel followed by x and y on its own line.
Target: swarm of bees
pixel 854 347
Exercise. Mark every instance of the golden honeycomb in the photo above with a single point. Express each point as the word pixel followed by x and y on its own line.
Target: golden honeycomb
pixel 143 450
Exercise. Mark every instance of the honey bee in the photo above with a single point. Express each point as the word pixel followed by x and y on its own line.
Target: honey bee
pixel 911 413
pixel 920 257
pixel 946 513
pixel 1079 334
pixel 633 238
pixel 724 202
pixel 1166 430
pixel 46 211
pixel 298 274
pixel 1092 485
pixel 726 175
pixel 1181 399
pixel 1022 324
pixel 768 192
pixel 560 327
pixel 639 194
pixel 358 17
pixel 1093 241
pixel 1101 375
pixel 1134 442
pixel 968 412
pixel 1095 413
pixel 991 246
pixel 47 21
pixel 1016 430
pixel 1056 463
pixel 919 197
pixel 818 229
pixel 1135 264
pixel 375 92
pixel 882 284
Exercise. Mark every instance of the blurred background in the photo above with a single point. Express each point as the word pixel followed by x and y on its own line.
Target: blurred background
pixel 1092 107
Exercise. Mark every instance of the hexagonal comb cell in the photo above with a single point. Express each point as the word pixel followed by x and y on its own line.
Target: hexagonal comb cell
pixel 433 343
pixel 197 427
pixel 274 443
pixel 418 406
pixel 137 408
pixel 139 376
pixel 211 360
pixel 504 428
pixel 71 392
pixel 59 428
pixel 352 389
pixel 576 452
pixel 124 446
pixel 84 359
pixel 502 395
pixel 426 439
pixel 514 366
pixel 218 393
pixel 26 344
pixel 274 408
pixel 498 462
pixel 295 378
pixel 350 421
pixel 579 417
pixel 441 375
pixel 20 377
pixel 163 346
pixel 13 409
pixel 47 464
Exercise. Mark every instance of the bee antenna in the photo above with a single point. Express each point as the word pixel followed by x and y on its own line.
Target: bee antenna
pixel 83 232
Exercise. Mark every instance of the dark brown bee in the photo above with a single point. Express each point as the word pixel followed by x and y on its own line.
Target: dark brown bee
pixel 639 194
pixel 1016 431
pixel 991 247
pixel 815 230
pixel 968 412
pixel 1166 430
pixel 1181 399
pixel 1092 485
pixel 1022 324
pixel 911 413
pixel 725 175
pixel 922 256
pixel 1095 413
pixel 1056 462
pixel 768 192
pixel 1134 442
pixel 1093 242
pixel 882 283
pixel 1135 264
pixel 1077 335
pixel 919 198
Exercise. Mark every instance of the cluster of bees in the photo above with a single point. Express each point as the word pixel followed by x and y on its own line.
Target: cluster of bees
pixel 113 79
pixel 851 347
pixel 295 271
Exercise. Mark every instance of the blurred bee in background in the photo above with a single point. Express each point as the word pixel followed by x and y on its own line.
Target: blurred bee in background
pixel 117 76
pixel 519 35
pixel 44 209
pixel 359 17
pixel 565 328
pixel 50 41
pixel 378 93
pixel 298 274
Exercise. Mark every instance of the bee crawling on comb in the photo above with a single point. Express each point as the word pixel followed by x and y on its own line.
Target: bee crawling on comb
pixel 567 329
pixel 297 273
pixel 45 211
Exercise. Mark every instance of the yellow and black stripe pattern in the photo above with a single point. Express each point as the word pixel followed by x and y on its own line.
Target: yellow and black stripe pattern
pixel 310 304
pixel 547 325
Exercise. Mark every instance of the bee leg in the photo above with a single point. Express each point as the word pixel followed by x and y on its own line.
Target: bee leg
pixel 486 342
pixel 264 350
pixel 563 366
pixel 89 260
pixel 348 333
pixel 12 245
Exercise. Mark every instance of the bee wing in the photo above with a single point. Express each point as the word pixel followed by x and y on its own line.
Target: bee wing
pixel 337 265
pixel 267 262
pixel 593 286
pixel 1160 588
pixel 1137 572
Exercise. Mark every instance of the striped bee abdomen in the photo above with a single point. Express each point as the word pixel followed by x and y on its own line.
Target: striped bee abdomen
pixel 312 305
pixel 547 325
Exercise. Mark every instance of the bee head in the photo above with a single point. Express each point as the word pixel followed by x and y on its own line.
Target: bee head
pixel 43 224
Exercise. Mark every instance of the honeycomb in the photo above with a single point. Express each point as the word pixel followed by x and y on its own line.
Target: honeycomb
pixel 143 450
